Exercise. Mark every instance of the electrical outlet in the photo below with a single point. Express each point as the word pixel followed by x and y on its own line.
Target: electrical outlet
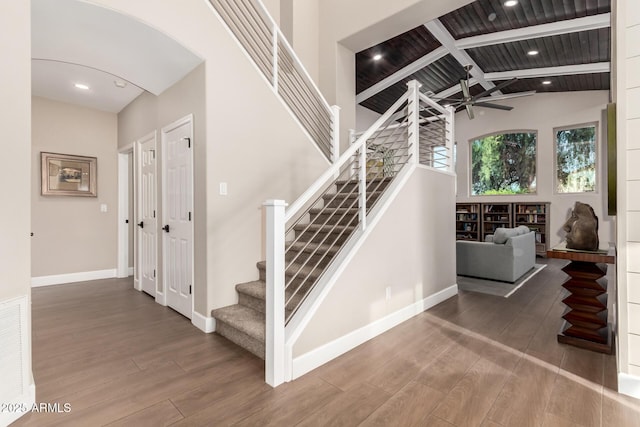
pixel 103 207
pixel 388 293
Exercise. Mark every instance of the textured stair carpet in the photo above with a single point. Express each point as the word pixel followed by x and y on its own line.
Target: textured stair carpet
pixel 317 242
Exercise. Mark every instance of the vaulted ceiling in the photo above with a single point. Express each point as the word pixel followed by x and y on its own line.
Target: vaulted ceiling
pixel 572 39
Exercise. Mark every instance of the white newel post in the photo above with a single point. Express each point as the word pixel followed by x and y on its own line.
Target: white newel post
pixel 450 137
pixel 274 333
pixel 414 117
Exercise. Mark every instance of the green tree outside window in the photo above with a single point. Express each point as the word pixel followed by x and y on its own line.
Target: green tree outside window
pixel 504 164
pixel 576 160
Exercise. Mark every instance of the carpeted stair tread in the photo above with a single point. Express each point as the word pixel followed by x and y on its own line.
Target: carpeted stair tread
pixel 307 270
pixel 319 248
pixel 324 228
pixel 244 319
pixel 258 290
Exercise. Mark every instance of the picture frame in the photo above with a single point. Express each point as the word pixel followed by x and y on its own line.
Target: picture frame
pixel 68 175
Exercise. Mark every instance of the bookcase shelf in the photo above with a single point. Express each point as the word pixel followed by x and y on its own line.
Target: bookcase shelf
pixel 495 215
pixel 474 221
pixel 467 221
pixel 535 215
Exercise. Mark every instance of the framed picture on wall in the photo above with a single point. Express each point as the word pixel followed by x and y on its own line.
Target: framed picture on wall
pixel 68 175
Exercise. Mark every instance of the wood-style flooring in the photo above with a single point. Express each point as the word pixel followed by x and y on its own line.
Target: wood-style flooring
pixel 120 359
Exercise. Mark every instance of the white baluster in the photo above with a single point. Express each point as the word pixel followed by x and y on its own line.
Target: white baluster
pixel 362 184
pixel 414 120
pixel 450 137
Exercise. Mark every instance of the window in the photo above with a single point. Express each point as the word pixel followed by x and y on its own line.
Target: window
pixel 576 159
pixel 504 164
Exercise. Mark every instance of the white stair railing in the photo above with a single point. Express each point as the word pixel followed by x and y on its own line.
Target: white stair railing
pixel 414 130
pixel 259 35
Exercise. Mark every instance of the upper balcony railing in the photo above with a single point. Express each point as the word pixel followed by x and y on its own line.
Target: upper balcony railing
pixel 261 38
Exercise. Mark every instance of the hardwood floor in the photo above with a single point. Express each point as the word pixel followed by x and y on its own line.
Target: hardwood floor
pixel 119 359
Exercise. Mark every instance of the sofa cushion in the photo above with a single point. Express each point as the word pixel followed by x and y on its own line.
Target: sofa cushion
pixel 501 235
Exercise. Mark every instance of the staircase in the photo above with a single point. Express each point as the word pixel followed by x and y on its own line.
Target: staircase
pixel 316 242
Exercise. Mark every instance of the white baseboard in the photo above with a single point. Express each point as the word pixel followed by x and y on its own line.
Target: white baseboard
pixel 629 385
pixel 318 357
pixel 24 403
pixel 205 324
pixel 73 277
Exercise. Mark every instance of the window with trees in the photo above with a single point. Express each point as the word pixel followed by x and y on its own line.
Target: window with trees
pixel 504 163
pixel 576 159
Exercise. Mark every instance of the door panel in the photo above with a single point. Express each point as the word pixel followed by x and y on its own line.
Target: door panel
pixel 147 226
pixel 177 217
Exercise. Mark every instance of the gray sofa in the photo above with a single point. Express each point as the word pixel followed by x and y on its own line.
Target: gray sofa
pixel 511 254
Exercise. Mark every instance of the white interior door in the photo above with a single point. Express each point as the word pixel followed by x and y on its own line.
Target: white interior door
pixel 177 198
pixel 146 218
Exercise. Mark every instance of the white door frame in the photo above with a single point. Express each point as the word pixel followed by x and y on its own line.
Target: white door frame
pixel 137 172
pixel 163 135
pixel 124 186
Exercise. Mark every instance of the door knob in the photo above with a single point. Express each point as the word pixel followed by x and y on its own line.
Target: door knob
pixel 141 224
pixel 166 228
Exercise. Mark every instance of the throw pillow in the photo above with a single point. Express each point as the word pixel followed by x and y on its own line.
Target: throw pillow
pixel 501 235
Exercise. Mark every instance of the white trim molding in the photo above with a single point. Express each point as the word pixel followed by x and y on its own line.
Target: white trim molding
pixel 25 402
pixel 205 324
pixel 564 70
pixel 629 385
pixel 329 351
pixel 59 279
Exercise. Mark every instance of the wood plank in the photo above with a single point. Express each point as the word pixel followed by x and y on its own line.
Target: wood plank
pixel 469 402
pixel 525 396
pixel 160 414
pixel 118 357
pixel 411 406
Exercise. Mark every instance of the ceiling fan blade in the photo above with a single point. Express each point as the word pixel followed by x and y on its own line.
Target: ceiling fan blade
pixel 506 96
pixel 495 106
pixel 469 111
pixel 494 89
pixel 465 89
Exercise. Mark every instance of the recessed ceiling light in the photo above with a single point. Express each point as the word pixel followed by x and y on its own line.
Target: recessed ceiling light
pixel 546 82
pixel 492 17
pixel 377 57
pixel 511 3
pixel 532 53
pixel 81 86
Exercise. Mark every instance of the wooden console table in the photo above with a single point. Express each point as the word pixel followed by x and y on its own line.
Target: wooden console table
pixel 585 319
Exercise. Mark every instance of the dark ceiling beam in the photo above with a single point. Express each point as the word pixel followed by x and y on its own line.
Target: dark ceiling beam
pixel 586 23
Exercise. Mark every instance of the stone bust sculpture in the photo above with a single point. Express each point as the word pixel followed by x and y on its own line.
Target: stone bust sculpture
pixel 582 228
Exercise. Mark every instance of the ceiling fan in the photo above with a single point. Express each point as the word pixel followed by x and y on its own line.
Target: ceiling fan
pixel 480 100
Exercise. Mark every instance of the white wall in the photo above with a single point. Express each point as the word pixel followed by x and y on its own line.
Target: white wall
pixel 365 118
pixel 542 112
pixel 148 113
pixel 252 144
pixel 71 234
pixel 627 32
pixel 410 250
pixel 15 213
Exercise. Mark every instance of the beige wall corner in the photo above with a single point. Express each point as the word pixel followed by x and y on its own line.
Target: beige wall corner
pixel 72 234
pixel 409 251
pixel 15 213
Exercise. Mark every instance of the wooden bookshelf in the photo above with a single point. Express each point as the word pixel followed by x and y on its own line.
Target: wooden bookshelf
pixel 536 216
pixel 496 215
pixel 468 221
